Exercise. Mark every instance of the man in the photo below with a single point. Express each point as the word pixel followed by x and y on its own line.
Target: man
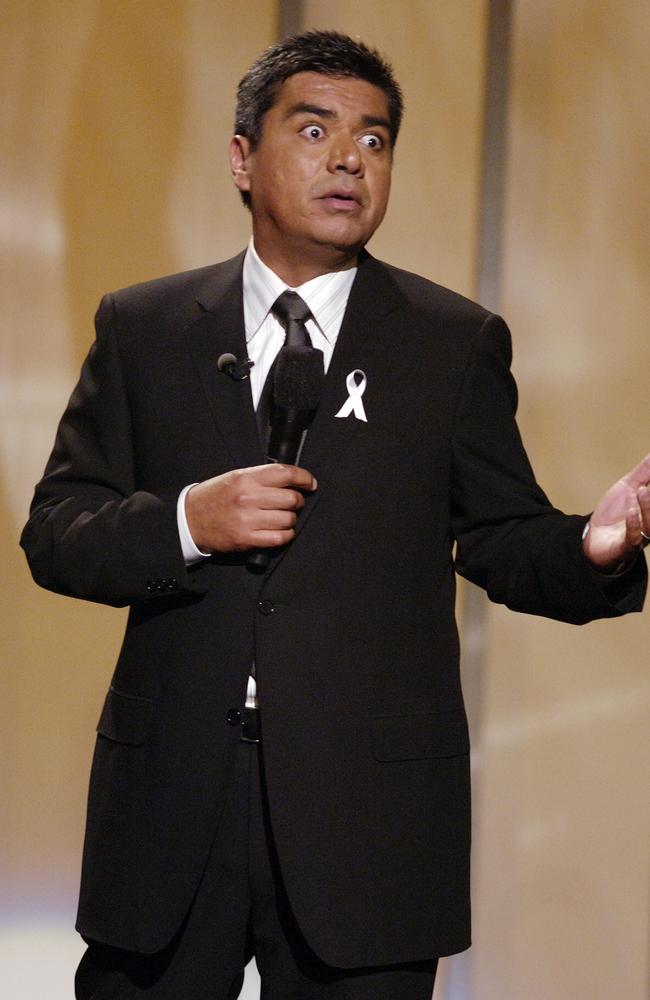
pixel 335 847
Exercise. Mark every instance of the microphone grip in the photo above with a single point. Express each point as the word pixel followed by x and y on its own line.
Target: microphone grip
pixel 284 446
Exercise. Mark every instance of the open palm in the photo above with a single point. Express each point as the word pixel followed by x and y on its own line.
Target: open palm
pixel 620 523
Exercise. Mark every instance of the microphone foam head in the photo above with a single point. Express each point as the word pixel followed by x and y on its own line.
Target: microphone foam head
pixel 298 378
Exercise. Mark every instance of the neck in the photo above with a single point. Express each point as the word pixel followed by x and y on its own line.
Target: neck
pixel 295 270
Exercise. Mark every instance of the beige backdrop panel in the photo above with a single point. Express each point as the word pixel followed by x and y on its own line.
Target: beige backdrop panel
pixel 562 888
pixel 115 172
pixel 437 52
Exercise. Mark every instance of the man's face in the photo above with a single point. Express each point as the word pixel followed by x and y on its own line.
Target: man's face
pixel 320 176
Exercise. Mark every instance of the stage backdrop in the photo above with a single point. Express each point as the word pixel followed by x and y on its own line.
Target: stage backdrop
pixel 116 119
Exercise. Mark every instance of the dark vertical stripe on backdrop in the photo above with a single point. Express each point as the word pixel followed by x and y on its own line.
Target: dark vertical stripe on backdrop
pixel 489 265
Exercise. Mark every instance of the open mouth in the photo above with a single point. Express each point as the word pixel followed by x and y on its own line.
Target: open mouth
pixel 341 199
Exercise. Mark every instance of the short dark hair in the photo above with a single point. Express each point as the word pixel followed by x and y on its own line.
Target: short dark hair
pixel 326 52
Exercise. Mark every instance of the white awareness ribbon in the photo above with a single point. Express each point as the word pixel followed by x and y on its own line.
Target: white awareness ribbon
pixel 354 402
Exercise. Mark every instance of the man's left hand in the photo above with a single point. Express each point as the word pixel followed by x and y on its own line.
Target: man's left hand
pixel 620 525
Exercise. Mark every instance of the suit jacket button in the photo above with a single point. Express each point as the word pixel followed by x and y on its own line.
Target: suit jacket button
pixel 172 584
pixel 150 586
pixel 233 718
pixel 266 607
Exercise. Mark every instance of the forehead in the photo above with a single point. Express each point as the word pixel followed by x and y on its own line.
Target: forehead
pixel 342 94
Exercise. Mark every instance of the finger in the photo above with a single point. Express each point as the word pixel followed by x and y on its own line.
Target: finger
pixel 280 499
pixel 633 529
pixel 279 474
pixel 640 475
pixel 271 539
pixel 270 520
pixel 643 498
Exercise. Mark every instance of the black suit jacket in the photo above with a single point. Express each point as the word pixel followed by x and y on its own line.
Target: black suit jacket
pixel 351 627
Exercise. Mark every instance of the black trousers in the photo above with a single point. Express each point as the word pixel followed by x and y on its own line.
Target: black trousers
pixel 241 910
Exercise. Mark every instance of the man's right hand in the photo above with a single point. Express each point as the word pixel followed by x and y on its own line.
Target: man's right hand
pixel 254 508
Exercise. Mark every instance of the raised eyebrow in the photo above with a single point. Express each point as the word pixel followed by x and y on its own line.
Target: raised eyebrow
pixel 371 121
pixel 310 109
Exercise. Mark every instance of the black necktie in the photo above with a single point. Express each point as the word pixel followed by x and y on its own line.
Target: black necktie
pixel 291 311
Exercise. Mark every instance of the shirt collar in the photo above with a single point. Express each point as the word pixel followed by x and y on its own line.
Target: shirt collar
pixel 326 295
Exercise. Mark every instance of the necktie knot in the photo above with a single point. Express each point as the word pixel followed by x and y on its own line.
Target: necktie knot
pixel 290 307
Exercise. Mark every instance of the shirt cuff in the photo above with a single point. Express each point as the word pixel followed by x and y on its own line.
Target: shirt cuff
pixel 191 554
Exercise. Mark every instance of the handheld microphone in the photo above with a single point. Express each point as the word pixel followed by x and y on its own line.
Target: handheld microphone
pixel 230 366
pixel 297 386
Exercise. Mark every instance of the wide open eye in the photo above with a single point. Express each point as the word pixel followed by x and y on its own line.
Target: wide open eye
pixel 372 140
pixel 312 131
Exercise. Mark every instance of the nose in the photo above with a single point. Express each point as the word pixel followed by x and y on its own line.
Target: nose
pixel 345 155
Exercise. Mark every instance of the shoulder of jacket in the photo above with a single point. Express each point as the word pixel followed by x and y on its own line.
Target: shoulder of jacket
pixel 175 291
pixel 430 297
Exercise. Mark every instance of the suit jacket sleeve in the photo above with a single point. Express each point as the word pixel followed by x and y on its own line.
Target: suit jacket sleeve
pixel 91 533
pixel 510 540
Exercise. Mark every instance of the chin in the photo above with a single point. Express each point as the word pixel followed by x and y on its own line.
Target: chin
pixel 342 238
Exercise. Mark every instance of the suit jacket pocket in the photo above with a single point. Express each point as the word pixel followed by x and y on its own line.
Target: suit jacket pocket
pixel 125 718
pixel 424 734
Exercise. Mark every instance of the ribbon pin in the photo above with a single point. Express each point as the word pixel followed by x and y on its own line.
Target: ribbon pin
pixel 356 389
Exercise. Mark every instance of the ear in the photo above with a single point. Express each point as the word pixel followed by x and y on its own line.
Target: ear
pixel 239 152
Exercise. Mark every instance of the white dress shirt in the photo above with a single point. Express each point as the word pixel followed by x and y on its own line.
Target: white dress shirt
pixel 327 297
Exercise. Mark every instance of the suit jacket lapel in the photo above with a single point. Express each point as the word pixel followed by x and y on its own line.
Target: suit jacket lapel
pixel 220 329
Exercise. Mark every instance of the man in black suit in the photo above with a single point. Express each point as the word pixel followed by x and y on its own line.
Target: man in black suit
pixel 282 759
